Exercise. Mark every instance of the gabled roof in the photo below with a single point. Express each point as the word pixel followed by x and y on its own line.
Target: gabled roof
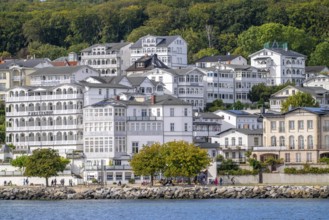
pixel 315 69
pixel 149 63
pixel 59 70
pixel 217 58
pixel 109 46
pixel 159 100
pixel 314 110
pixel 288 53
pixel 237 113
pixel 105 82
pixel 164 42
pixel 244 131
pixel 184 71
pixel 208 115
pixel 28 63
pixel 314 91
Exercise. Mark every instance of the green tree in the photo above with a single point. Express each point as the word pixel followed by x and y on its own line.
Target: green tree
pixel 217 104
pixel 46 50
pixel 4 55
pixel 183 159
pixel 45 163
pixel 272 162
pixel 228 164
pixel 238 105
pixel 20 162
pixel 254 38
pixel 149 161
pixel 300 99
pixel 320 55
pixel 206 52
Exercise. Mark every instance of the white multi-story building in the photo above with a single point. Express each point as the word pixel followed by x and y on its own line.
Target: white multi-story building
pixel 317 81
pixel 186 84
pixel 171 50
pixel 205 125
pixel 319 94
pixel 233 142
pixel 282 65
pixel 116 129
pixel 210 61
pixel 239 119
pixel 49 117
pixel 110 59
pixel 231 83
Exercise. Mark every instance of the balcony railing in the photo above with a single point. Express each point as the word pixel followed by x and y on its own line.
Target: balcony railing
pixel 144 118
pixel 273 148
pixel 44 97
pixel 106 168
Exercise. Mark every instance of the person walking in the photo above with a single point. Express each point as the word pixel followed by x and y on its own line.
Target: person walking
pixel 220 181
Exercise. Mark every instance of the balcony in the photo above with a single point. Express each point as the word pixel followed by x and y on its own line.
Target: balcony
pixel 145 133
pixel 18 78
pixel 273 148
pixel 44 97
pixel 48 143
pixel 144 118
pixel 107 168
pixel 99 56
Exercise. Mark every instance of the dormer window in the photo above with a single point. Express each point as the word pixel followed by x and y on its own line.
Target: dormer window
pixel 140 64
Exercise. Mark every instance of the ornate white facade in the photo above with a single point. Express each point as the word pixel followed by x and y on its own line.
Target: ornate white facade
pixel 282 65
pixel 231 83
pixel 50 117
pixel 109 59
pixel 171 50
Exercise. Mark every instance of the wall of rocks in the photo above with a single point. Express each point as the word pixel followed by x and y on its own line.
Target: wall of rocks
pixel 127 192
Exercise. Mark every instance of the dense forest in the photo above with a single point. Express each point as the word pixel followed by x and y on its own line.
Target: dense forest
pixel 52 28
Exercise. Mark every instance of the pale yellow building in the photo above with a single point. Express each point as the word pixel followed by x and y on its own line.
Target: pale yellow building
pixel 298 136
pixel 15 73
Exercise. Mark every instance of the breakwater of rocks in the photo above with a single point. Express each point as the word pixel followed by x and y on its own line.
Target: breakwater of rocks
pixel 239 192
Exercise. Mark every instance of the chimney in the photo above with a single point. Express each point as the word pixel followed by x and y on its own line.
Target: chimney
pixel 117 98
pixel 152 99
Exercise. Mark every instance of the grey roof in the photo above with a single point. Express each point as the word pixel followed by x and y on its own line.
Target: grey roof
pixel 244 131
pixel 288 53
pixel 59 70
pixel 165 41
pixel 28 63
pixel 105 82
pixel 150 62
pixel 314 110
pixel 136 81
pixel 208 115
pixel 314 91
pixel 159 100
pixel 238 112
pixel 315 69
pixel 184 71
pixel 109 46
pixel 109 102
pixel 217 58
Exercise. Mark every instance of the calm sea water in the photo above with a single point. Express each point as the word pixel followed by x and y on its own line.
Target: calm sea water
pixel 227 209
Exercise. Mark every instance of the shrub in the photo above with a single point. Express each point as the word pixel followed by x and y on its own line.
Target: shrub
pixel 132 181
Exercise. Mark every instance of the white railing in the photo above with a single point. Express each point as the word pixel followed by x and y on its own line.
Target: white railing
pixel 48 143
pixel 44 97
pixel 273 148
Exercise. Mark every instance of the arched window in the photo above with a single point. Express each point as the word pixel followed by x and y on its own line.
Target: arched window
pixel 300 142
pixel 273 141
pixel 291 142
pixel 326 141
pixel 282 141
pixel 310 142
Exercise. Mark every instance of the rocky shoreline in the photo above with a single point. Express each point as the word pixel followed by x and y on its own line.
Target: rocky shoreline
pixel 127 192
